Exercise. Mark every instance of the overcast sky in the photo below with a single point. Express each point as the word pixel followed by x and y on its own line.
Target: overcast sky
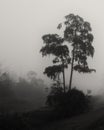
pixel 24 22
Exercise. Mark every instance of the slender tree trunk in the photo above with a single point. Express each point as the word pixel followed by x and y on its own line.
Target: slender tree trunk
pixel 71 74
pixel 63 72
pixel 64 79
pixel 58 80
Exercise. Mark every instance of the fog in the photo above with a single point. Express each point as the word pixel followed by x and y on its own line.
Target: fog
pixel 21 94
pixel 23 23
pixel 27 98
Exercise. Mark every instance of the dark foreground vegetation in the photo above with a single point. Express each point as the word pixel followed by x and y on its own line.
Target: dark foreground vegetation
pixel 26 121
pixel 60 106
pixel 68 104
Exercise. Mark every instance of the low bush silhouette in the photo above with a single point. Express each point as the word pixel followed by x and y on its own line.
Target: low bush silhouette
pixel 68 104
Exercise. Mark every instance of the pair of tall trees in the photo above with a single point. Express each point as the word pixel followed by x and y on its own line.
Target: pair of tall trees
pixel 76 33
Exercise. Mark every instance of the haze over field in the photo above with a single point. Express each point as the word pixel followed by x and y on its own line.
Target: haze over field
pixel 24 22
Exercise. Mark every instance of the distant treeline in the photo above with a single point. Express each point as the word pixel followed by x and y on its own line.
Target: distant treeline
pixel 21 95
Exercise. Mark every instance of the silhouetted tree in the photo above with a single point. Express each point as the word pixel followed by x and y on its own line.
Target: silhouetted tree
pixel 54 46
pixel 77 33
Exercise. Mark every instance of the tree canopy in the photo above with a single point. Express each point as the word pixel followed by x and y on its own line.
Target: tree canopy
pixel 76 33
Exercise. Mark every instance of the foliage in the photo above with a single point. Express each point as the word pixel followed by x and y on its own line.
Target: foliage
pixel 77 33
pixel 68 104
pixel 54 46
pixel 73 47
pixel 53 71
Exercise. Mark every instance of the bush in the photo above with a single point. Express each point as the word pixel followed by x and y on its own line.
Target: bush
pixel 68 104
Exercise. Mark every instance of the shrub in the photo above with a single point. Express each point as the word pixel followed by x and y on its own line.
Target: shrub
pixel 68 104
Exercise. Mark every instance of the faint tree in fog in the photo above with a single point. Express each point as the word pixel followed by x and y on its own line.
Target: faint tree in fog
pixel 7 95
pixel 77 38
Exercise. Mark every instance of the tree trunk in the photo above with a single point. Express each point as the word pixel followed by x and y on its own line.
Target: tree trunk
pixel 63 72
pixel 64 79
pixel 71 74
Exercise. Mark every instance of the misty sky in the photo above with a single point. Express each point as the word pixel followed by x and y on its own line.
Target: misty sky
pixel 24 22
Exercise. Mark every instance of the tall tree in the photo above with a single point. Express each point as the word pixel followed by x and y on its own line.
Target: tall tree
pixel 54 46
pixel 77 33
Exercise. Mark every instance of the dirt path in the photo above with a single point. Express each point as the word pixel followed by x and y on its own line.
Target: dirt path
pixel 77 123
